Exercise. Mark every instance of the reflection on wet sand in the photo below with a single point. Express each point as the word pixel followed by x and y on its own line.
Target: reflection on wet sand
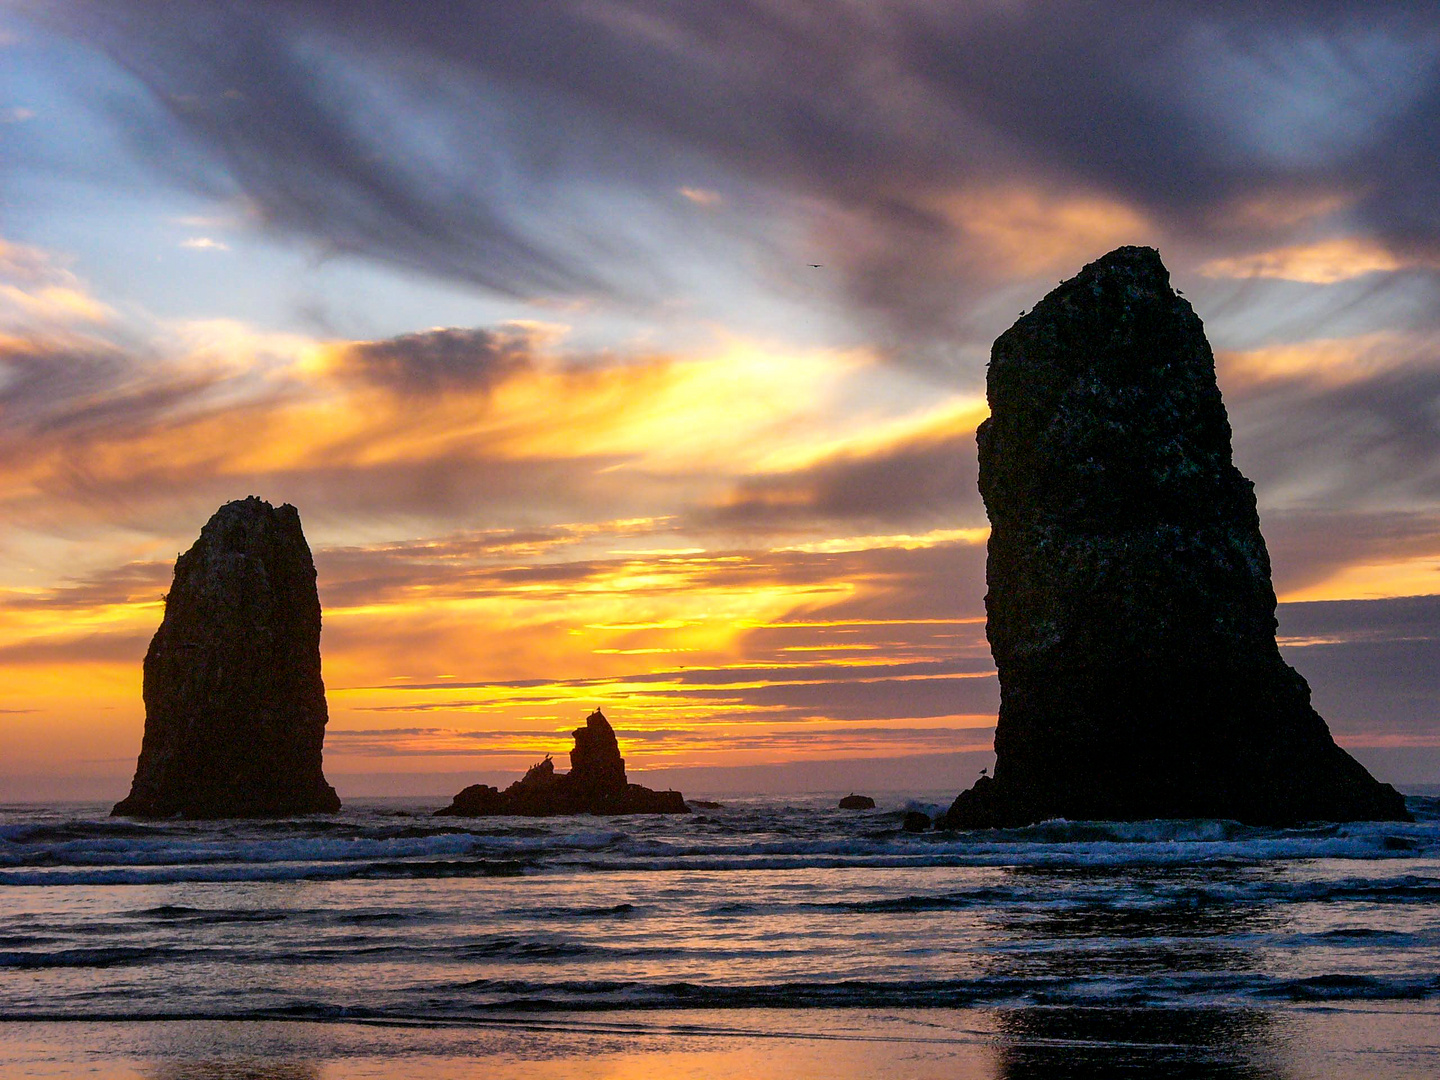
pixel 1092 948
pixel 1053 1042
pixel 1105 1039
pixel 235 1070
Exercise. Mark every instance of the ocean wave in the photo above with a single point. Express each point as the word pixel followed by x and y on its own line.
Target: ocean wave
pixel 982 897
pixel 936 993
pixel 374 918
pixel 482 999
pixel 1050 843
pixel 256 872
pixel 1418 890
pixel 1424 808
pixel 430 868
pixel 178 913
pixel 112 956
pixel 191 848
pixel 561 912
pixel 118 852
pixel 432 921
pixel 1405 889
pixel 1352 988
pixel 525 950
pixel 520 995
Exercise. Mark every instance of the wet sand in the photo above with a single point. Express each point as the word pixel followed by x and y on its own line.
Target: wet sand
pixel 1373 1040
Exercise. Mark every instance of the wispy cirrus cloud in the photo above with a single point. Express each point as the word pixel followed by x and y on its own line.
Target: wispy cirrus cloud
pixel 1340 423
pixel 1323 262
pixel 919 166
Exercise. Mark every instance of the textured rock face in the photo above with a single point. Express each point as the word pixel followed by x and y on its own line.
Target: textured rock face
pixel 1130 609
pixel 596 767
pixel 234 703
pixel 595 784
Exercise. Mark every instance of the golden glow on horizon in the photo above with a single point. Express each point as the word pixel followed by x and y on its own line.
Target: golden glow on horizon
pixel 372 651
pixel 1418 576
pixel 506 604
pixel 453 643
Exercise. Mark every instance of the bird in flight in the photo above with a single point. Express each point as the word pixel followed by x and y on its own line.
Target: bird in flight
pixel 815 266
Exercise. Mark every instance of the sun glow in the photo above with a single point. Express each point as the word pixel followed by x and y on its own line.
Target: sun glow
pixel 1372 581
pixel 511 529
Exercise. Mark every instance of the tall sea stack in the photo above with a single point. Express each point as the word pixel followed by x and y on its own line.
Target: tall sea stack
pixel 1130 609
pixel 234 704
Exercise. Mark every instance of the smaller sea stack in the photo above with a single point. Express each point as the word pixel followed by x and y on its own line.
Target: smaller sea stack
pixel 595 784
pixel 235 708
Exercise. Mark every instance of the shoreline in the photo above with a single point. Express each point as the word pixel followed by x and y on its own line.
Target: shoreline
pixel 1380 1039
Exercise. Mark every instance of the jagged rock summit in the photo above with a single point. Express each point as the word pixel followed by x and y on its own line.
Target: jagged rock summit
pixel 595 784
pixel 1130 609
pixel 234 703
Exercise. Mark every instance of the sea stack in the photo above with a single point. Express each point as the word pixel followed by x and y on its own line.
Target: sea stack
pixel 1130 609
pixel 234 703
pixel 595 784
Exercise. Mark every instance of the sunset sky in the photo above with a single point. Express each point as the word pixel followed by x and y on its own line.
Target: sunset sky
pixel 515 303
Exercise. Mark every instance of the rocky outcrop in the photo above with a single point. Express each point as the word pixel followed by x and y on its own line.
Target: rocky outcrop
pixel 234 703
pixel 1130 609
pixel 857 802
pixel 595 784
pixel 915 821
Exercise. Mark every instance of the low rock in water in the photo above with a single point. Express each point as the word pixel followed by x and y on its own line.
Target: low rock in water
pixel 595 784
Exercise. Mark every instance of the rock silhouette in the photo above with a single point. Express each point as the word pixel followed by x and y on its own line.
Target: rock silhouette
pixel 1130 608
pixel 595 784
pixel 234 702
pixel 915 821
pixel 857 802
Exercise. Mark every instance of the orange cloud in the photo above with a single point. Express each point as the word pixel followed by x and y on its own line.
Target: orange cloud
pixel 428 416
pixel 1025 231
pixel 36 288
pixel 1415 576
pixel 702 196
pixel 1323 263
pixel 1280 209
pixel 1326 361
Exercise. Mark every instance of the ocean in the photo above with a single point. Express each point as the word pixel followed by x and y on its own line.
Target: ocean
pixel 770 936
